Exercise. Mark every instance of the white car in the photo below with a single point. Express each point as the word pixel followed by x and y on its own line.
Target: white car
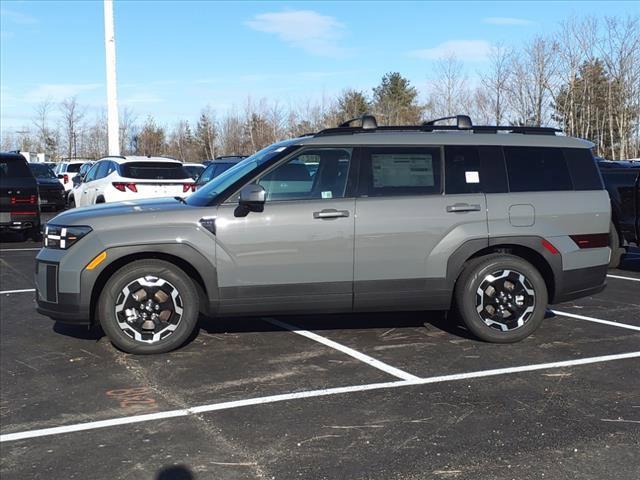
pixel 114 179
pixel 65 171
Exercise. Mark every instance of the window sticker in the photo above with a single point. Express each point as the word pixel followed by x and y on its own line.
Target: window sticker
pixel 328 194
pixel 402 170
pixel 472 177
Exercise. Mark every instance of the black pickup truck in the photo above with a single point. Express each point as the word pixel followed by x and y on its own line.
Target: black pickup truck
pixel 622 180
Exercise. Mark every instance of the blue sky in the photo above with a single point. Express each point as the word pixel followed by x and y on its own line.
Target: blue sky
pixel 174 58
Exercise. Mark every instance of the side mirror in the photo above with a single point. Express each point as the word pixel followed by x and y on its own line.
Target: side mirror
pixel 252 198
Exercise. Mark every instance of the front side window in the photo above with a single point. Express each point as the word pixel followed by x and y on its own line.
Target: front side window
pixel 313 174
pixel 396 171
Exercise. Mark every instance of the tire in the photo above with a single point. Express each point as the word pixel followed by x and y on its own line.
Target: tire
pixel 616 250
pixel 524 301
pixel 71 202
pixel 122 318
pixel 35 233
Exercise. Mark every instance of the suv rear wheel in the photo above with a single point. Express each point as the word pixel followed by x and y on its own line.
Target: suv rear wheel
pixel 148 306
pixel 501 298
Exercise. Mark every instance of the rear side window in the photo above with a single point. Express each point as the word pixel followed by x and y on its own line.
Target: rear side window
pixel 74 167
pixel 462 170
pixel 154 170
pixel 583 169
pixel 536 169
pixel 14 168
pixel 394 171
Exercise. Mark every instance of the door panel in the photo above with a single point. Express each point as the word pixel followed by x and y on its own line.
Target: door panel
pixel 403 244
pixel 286 258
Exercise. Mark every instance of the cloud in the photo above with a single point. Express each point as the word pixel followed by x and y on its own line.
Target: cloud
pixel 17 17
pixel 506 21
pixel 59 91
pixel 469 50
pixel 304 29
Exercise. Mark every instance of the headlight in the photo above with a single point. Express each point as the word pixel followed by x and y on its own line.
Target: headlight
pixel 57 236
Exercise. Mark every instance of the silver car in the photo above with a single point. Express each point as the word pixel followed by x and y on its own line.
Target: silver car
pixel 493 223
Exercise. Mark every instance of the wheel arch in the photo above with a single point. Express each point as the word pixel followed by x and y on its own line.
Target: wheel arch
pixel 181 258
pixel 529 248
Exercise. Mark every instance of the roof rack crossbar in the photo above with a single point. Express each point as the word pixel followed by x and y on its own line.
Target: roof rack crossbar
pixel 367 122
pixel 463 122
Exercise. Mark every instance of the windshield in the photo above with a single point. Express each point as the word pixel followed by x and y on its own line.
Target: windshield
pixel 41 170
pixel 207 193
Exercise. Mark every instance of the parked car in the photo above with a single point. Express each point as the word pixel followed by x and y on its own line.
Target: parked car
pixel 495 227
pixel 51 191
pixel 194 169
pixel 113 179
pixel 19 206
pixel 223 158
pixel 622 181
pixel 215 168
pixel 65 172
pixel 82 172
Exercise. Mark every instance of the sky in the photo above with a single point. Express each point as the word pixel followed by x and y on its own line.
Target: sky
pixel 176 57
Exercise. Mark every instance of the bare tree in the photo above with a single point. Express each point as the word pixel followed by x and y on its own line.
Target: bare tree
pixel 72 116
pixel 495 81
pixel 47 137
pixel 449 92
pixel 531 82
pixel 127 128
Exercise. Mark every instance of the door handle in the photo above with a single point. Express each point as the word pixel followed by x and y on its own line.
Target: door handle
pixel 463 207
pixel 330 213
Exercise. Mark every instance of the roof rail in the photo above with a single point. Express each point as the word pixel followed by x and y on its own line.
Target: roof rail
pixel 463 123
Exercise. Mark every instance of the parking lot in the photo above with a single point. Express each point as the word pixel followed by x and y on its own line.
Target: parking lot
pixel 384 396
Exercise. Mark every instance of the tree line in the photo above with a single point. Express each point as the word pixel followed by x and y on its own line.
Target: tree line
pixel 584 79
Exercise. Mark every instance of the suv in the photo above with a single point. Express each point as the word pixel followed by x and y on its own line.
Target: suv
pixel 114 179
pixel 19 203
pixel 431 217
pixel 622 181
pixel 65 171
pixel 215 168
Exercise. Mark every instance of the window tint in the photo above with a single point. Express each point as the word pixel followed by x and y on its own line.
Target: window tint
pixel 536 169
pixel 91 174
pixel 41 170
pixel 14 168
pixel 221 167
pixel 462 170
pixel 313 174
pixel 583 169
pixel 390 171
pixel 74 167
pixel 154 170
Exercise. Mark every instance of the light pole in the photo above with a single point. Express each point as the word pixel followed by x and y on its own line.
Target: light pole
pixel 112 95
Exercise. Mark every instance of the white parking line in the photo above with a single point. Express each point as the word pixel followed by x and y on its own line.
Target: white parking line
pixel 17 291
pixel 2 250
pixel 78 427
pixel 344 349
pixel 624 278
pixel 596 320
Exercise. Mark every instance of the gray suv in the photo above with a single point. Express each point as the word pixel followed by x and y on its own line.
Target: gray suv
pixel 494 223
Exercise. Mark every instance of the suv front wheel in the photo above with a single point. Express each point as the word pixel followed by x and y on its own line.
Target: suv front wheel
pixel 148 306
pixel 501 298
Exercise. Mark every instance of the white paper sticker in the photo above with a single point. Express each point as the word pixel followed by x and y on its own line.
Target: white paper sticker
pixel 328 194
pixel 472 177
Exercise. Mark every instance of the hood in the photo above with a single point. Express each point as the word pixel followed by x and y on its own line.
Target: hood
pixel 134 213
